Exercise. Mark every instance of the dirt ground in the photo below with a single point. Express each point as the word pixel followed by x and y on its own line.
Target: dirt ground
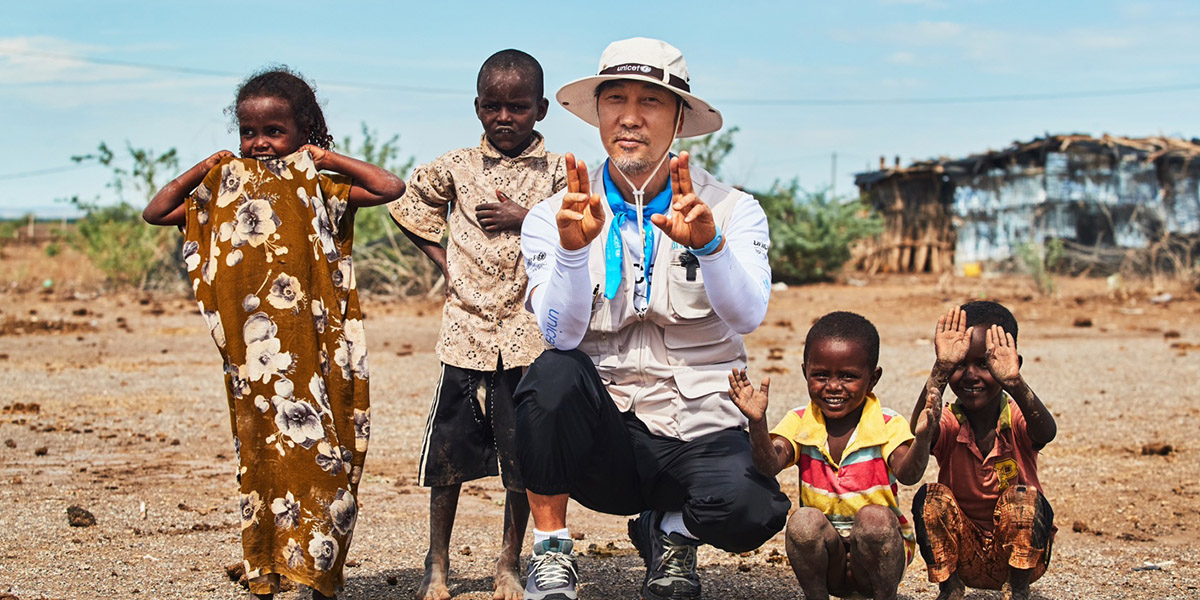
pixel 114 403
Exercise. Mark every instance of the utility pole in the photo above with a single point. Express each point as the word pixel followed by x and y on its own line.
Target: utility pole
pixel 833 177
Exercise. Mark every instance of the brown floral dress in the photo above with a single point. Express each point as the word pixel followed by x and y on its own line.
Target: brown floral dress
pixel 267 249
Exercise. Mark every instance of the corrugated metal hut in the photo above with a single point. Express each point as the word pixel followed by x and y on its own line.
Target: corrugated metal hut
pixel 1106 192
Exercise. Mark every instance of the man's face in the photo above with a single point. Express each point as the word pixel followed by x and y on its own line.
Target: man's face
pixel 637 123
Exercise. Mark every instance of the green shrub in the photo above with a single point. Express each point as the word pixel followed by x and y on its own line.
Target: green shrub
pixel 1039 260
pixel 811 233
pixel 384 260
pixel 115 238
pixel 125 248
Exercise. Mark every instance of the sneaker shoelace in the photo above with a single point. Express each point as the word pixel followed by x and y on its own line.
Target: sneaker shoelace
pixel 553 569
pixel 679 560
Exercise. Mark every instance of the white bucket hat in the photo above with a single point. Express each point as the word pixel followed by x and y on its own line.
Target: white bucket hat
pixel 642 59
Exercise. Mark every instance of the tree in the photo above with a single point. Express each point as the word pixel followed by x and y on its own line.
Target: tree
pixel 811 233
pixel 114 237
pixel 384 261
pixel 710 151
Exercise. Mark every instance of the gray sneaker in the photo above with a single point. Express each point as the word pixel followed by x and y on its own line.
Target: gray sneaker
pixel 670 560
pixel 552 573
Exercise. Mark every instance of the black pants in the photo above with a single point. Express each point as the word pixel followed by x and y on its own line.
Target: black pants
pixel 571 439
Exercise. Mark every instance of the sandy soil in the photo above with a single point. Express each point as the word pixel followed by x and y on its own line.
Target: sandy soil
pixel 115 403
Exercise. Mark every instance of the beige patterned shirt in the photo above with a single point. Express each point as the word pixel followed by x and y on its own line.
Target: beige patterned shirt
pixel 484 318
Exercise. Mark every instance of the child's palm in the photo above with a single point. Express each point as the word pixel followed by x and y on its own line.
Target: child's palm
pixel 932 411
pixel 753 403
pixel 1002 358
pixel 952 337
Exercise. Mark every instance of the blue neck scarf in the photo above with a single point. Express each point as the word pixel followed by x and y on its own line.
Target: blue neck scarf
pixel 624 211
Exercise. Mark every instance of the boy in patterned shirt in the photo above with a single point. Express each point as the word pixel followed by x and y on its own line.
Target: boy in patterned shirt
pixel 481 195
pixel 848 536
pixel 985 523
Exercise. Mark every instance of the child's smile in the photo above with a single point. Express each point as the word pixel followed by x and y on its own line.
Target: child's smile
pixel 839 376
pixel 267 128
pixel 971 381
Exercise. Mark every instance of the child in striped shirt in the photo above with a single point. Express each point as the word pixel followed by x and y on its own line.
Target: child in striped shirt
pixel 849 535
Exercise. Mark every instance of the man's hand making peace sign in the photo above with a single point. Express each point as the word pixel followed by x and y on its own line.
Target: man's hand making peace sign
pixel 582 215
pixel 691 221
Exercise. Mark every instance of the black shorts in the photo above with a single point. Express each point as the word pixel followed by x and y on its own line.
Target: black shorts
pixel 471 431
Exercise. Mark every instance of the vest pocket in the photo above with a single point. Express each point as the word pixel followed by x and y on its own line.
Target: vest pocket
pixel 702 344
pixel 685 287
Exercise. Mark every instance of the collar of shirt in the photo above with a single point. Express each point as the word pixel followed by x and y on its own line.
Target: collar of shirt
pixel 626 212
pixel 870 430
pixel 966 435
pixel 536 148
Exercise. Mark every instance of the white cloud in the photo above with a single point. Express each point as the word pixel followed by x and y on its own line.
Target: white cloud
pixel 38 60
pixel 902 58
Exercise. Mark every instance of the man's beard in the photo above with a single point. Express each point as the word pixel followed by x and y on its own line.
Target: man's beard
pixel 632 166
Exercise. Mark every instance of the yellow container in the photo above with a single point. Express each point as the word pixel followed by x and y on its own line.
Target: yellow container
pixel 972 269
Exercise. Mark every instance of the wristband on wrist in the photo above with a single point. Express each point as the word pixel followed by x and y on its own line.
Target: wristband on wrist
pixel 710 247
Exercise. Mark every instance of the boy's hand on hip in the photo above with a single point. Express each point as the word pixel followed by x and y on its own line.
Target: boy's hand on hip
pixel 504 215
pixel 952 337
pixel 582 216
pixel 691 221
pixel 1002 358
pixel 753 403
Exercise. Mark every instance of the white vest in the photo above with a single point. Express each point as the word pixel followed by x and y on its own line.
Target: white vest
pixel 672 364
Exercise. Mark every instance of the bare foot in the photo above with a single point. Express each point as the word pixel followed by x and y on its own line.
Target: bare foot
pixel 507 584
pixel 433 585
pixel 952 589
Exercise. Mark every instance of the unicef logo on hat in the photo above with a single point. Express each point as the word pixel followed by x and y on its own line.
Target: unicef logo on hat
pixel 632 68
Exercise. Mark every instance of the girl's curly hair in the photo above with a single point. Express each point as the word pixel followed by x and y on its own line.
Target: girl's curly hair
pixel 282 82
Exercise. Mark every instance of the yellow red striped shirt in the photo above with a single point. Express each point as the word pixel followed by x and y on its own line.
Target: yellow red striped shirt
pixel 862 477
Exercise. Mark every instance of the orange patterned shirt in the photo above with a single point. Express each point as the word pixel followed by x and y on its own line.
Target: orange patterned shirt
pixel 484 318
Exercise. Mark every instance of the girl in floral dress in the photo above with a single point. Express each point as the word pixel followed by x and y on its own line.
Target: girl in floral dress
pixel 267 241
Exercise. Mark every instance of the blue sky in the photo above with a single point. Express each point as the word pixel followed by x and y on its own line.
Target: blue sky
pixel 65 83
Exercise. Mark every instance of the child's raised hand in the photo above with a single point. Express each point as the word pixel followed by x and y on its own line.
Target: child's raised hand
pixel 952 337
pixel 319 155
pixel 752 402
pixel 216 159
pixel 1002 358
pixel 582 216
pixel 691 221
pixel 932 413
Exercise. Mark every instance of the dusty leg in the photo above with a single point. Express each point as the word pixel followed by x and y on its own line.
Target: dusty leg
pixel 507 583
pixel 816 553
pixel 443 504
pixel 952 588
pixel 877 554
pixel 1017 586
